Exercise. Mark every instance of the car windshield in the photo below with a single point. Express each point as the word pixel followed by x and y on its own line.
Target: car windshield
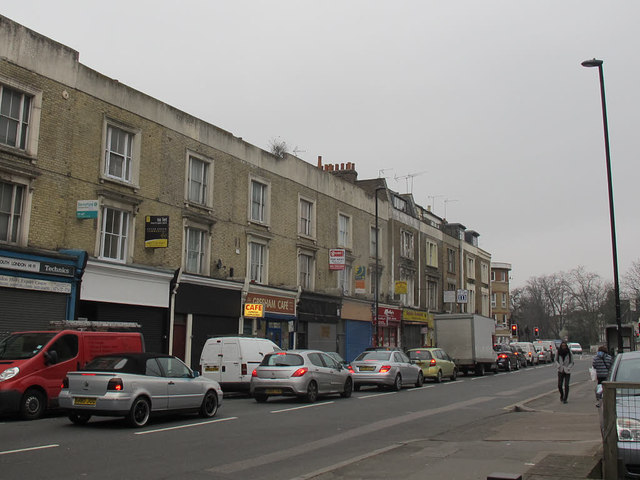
pixel 420 355
pixel 628 370
pixel 281 359
pixel 374 356
pixel 20 346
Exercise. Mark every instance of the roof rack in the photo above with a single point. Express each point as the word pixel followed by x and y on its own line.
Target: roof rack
pixel 94 325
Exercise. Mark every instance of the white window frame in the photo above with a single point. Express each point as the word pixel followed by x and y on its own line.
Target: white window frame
pixel 345 280
pixel 262 276
pixel 22 235
pixel 494 300
pixel 471 267
pixel 345 229
pixel 35 108
pixel 484 272
pixel 504 300
pixel 203 234
pixel 471 305
pixel 264 203
pixel 306 269
pixel 406 244
pixel 306 219
pixel 432 254
pixel 135 136
pixel 409 276
pixel 123 238
pixel 451 260
pixel 205 189
pixel 432 295
pixel 493 275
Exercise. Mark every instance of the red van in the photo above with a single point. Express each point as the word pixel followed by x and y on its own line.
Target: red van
pixel 33 364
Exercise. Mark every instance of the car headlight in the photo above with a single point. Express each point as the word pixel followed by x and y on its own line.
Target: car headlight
pixel 9 373
pixel 628 429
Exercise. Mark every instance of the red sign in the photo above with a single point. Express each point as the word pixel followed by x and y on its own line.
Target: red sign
pixel 389 316
pixel 337 259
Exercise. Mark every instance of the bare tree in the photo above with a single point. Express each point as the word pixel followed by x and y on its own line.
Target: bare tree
pixel 552 295
pixel 631 280
pixel 278 147
pixel 589 294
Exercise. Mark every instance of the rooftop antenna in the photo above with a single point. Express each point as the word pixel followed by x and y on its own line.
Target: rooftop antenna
pixel 297 150
pixel 406 179
pixel 381 172
pixel 433 200
pixel 447 200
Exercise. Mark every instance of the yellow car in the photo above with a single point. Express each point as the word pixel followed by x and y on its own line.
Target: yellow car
pixel 434 362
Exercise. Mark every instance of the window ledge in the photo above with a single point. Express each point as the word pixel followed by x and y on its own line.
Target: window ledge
pixel 105 179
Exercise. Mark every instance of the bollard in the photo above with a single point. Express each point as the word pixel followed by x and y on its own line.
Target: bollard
pixel 504 476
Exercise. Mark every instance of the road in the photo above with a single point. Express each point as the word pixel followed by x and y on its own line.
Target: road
pixel 281 439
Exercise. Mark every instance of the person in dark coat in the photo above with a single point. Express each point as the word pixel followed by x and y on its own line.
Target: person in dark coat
pixel 602 362
pixel 564 364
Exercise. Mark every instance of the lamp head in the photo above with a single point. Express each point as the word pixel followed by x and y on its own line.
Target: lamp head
pixel 592 63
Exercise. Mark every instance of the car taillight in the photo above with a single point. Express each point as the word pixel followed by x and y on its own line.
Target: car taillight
pixel 115 384
pixel 65 382
pixel 243 369
pixel 254 373
pixel 385 368
pixel 300 372
pixel 502 355
pixel 350 368
pixel 529 353
pixel 432 363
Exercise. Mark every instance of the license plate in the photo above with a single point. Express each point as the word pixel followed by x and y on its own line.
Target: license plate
pixel 84 401
pixel 366 369
pixel 211 369
pixel 273 391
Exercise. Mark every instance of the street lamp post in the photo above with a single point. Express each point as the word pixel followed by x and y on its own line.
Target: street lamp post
pixel 616 285
pixel 376 273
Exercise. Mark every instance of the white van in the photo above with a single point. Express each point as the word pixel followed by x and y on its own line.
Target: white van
pixel 529 351
pixel 230 360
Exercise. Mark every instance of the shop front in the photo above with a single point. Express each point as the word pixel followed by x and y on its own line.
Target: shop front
pixel 113 292
pixel 319 325
pixel 388 326
pixel 279 315
pixel 417 328
pixel 37 287
pixel 356 316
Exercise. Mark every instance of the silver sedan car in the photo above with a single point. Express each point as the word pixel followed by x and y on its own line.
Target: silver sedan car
pixel 385 368
pixel 302 373
pixel 135 385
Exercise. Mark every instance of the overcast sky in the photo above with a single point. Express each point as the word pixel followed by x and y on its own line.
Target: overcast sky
pixel 479 108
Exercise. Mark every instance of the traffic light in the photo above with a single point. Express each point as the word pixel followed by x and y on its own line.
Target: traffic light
pixel 514 330
pixel 536 332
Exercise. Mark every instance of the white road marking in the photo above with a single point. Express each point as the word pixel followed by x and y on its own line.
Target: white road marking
pixel 478 378
pixel 420 388
pixel 299 408
pixel 6 452
pixel 376 395
pixel 186 426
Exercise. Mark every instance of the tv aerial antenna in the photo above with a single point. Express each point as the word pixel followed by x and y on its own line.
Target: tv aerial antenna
pixel 406 179
pixel 447 200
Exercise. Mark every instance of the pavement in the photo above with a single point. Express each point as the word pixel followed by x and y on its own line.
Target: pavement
pixel 538 439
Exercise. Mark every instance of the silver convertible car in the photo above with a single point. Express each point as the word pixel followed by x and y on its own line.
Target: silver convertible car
pixel 135 385
pixel 385 368
pixel 303 373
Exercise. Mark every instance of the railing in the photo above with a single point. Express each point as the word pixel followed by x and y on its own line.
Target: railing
pixel 620 423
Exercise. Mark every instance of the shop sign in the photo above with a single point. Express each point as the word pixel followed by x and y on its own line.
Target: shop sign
pixel 156 231
pixel 400 287
pixel 361 276
pixel 273 304
pixel 34 284
pixel 414 316
pixel 337 259
pixel 389 316
pixel 49 268
pixel 254 310
pixel 87 209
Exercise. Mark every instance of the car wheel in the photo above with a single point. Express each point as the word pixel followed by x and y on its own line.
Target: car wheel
pixel 420 380
pixel 454 376
pixel 438 378
pixel 312 392
pixel 397 384
pixel 139 412
pixel 508 369
pixel 79 418
pixel 260 397
pixel 33 404
pixel 348 388
pixel 209 405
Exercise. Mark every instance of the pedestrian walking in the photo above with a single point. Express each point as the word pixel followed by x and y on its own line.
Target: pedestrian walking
pixel 564 364
pixel 602 362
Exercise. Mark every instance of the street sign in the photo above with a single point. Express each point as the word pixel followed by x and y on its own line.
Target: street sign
pixel 462 296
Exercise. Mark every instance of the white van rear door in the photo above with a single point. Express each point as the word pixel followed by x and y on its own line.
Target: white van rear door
pixel 211 360
pixel 231 361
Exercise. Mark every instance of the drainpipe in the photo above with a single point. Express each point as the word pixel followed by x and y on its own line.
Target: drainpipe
pixel 175 283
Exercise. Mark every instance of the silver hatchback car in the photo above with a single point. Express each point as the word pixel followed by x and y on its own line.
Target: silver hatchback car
pixel 302 373
pixel 385 368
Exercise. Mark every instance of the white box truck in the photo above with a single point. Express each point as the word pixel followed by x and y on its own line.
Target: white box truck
pixel 468 339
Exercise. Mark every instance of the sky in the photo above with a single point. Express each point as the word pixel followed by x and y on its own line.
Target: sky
pixel 480 109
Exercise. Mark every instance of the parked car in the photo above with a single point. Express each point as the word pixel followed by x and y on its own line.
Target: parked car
pixel 33 364
pixel 434 362
pixel 230 360
pixel 549 345
pixel 575 348
pixel 544 355
pixel 529 352
pixel 136 385
pixel 520 356
pixel 306 374
pixel 382 368
pixel 507 359
pixel 338 358
pixel 625 368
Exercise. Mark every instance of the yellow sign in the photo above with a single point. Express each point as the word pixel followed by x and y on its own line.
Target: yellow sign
pixel 401 287
pixel 253 310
